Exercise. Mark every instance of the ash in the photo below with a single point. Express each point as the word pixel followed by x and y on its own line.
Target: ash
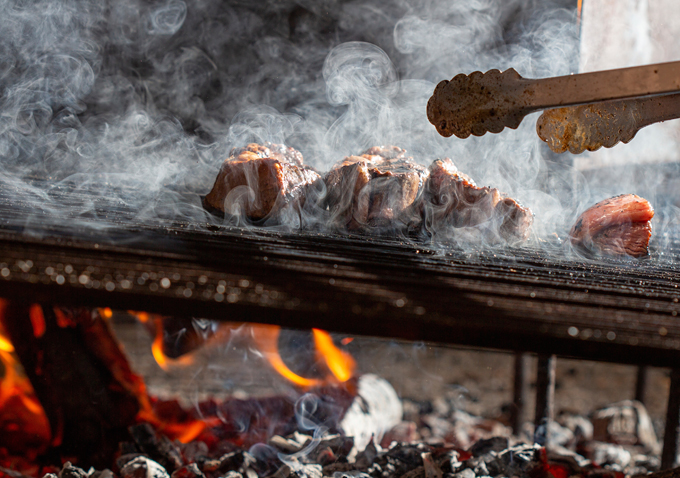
pixel 432 441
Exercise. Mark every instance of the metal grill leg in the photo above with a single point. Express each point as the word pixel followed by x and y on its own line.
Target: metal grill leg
pixel 519 393
pixel 545 397
pixel 641 384
pixel 670 436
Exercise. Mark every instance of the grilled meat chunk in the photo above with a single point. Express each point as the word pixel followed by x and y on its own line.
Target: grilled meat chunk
pixel 261 181
pixel 452 199
pixel 618 226
pixel 374 190
pixel 514 220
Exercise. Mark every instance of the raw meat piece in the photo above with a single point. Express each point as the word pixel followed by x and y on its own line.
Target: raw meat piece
pixel 616 226
pixel 261 181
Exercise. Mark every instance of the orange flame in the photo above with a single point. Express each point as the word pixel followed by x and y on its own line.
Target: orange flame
pixel 267 338
pixel 340 364
pixel 20 409
pixel 184 431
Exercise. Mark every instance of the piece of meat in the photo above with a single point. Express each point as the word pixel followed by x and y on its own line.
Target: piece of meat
pixel 514 220
pixel 452 199
pixel 261 181
pixel 616 226
pixel 374 190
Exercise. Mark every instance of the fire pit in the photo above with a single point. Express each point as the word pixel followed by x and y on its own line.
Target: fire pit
pixel 114 121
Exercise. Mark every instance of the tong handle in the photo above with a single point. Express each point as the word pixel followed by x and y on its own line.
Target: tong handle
pixel 489 102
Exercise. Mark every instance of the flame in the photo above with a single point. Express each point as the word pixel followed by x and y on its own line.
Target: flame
pixel 35 314
pixel 340 364
pixel 579 11
pixel 20 409
pixel 267 338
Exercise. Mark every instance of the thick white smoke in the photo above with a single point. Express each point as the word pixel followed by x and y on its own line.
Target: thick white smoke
pixel 136 104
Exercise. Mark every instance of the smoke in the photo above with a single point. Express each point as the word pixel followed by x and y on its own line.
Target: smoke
pixel 133 105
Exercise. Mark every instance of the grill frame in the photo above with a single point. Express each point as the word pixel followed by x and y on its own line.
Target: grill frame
pixel 521 300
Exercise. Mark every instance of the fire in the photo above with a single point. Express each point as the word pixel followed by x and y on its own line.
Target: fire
pixel 266 338
pixel 22 418
pixel 163 361
pixel 340 364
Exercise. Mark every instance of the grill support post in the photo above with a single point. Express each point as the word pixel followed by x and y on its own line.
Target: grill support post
pixel 670 436
pixel 545 398
pixel 519 394
pixel 641 384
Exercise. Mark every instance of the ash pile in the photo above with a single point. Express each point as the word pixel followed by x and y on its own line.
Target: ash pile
pixel 433 440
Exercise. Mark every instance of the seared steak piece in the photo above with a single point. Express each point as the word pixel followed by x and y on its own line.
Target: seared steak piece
pixel 452 199
pixel 374 190
pixel 618 226
pixel 261 181
pixel 514 220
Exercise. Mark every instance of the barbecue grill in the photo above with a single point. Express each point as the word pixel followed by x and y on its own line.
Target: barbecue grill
pixel 543 300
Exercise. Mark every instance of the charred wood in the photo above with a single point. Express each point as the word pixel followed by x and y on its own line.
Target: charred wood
pixel 87 407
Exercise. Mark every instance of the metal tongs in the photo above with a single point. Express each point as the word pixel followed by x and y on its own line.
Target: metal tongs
pixel 592 109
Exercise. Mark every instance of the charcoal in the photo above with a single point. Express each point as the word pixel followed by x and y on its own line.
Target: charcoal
pixel 267 460
pixel 102 474
pixel 404 432
pixel 231 461
pixel 70 471
pixel 283 472
pixel 142 467
pixel 478 465
pixel 125 459
pixel 128 448
pixel 418 472
pixel 188 471
pixel 407 454
pixel 285 445
pixel 613 456
pixel 332 449
pixel 157 447
pixel 307 471
pixel 209 466
pixel 465 473
pixel 352 474
pixel 194 451
pixel 449 462
pixel 366 457
pixel 340 469
pixel 324 456
pixel 484 446
pixel 432 470
pixel 521 460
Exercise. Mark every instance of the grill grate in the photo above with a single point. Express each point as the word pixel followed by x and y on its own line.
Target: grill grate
pixel 517 299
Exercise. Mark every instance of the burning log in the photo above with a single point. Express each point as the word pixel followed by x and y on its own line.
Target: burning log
pixel 88 408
